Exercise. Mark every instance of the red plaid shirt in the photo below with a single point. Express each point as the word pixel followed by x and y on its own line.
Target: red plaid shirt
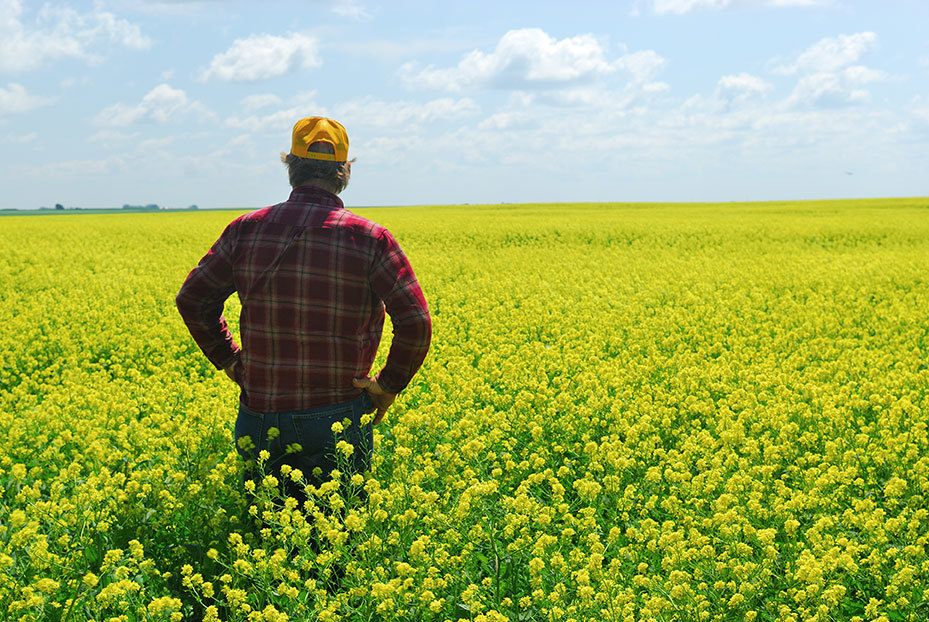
pixel 314 281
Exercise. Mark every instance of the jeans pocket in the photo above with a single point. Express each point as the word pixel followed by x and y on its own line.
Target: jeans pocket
pixel 317 441
pixel 249 428
pixel 314 430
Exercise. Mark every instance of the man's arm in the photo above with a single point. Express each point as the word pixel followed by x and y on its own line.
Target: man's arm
pixel 200 303
pixel 394 282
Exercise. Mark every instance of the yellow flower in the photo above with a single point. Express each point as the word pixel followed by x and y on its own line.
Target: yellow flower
pixel 47 586
pixel 347 449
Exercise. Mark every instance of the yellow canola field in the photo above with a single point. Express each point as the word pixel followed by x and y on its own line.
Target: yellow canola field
pixel 629 412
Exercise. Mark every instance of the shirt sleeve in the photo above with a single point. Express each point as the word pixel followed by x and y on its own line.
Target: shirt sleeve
pixel 394 282
pixel 201 299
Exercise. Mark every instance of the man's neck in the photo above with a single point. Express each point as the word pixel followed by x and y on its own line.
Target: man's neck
pixel 322 185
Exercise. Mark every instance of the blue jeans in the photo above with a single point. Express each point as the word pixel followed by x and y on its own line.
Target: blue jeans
pixel 312 431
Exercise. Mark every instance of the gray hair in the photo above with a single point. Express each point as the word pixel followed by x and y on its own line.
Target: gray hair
pixel 331 176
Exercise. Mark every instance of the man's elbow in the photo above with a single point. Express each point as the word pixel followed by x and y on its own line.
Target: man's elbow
pixel 186 306
pixel 414 329
pixel 427 329
pixel 423 331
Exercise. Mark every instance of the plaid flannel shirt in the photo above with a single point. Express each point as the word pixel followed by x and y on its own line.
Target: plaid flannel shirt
pixel 314 281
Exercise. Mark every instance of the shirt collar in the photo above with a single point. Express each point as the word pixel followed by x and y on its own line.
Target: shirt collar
pixel 314 194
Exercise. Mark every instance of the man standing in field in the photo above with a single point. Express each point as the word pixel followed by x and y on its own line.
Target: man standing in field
pixel 314 281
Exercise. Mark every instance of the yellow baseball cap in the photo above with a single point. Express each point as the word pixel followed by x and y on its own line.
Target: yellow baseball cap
pixel 320 130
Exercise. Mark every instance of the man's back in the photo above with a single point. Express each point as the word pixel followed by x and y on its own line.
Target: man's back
pixel 314 280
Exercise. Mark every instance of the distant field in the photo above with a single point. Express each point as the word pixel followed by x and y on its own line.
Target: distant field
pixel 629 412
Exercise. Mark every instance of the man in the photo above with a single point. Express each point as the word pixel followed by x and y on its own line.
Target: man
pixel 314 281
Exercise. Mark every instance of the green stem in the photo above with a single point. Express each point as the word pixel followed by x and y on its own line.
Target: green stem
pixel 65 615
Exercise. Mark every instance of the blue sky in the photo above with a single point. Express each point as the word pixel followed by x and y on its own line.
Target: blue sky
pixel 179 103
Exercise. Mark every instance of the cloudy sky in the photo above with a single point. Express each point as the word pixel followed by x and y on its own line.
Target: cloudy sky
pixel 177 103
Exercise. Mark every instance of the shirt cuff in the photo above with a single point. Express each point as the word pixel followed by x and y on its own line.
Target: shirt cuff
pixel 224 358
pixel 391 382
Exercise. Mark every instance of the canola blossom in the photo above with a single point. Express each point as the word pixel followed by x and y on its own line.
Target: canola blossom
pixel 629 413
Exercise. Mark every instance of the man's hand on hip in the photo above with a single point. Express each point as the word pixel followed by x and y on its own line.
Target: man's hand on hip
pixel 381 398
pixel 232 371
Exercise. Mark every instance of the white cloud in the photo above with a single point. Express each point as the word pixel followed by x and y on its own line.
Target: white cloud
pixel 577 97
pixel 350 9
pixel 832 88
pixel 21 139
pixel 525 58
pixel 745 83
pixel 377 113
pixel 831 54
pixel 60 32
pixel 642 66
pixel 685 6
pixel 919 108
pixel 75 169
pixel 742 85
pixel 258 101
pixel 391 149
pixel 398 50
pixel 828 73
pixel 154 144
pixel 656 87
pixel 163 103
pixel 15 99
pixel 279 120
pixel 504 121
pixel 863 75
pixel 100 25
pixel 169 8
pixel 680 7
pixel 110 137
pixel 299 106
pixel 264 56
pixel 368 112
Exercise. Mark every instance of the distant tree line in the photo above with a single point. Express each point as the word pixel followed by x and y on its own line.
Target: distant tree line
pixel 151 207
